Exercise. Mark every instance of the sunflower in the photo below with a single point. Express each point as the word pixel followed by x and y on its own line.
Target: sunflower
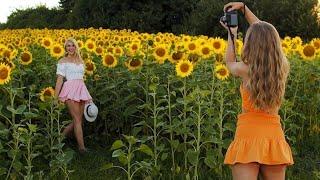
pixel 285 47
pixel 297 40
pixel 160 53
pixel 134 63
pixel 25 58
pixel 47 42
pixel 27 41
pixel 109 60
pixel 194 58
pixel 46 94
pixel 80 44
pixel 118 51
pixel 133 47
pixel 239 46
pixel 56 50
pixel 176 57
pixel 219 58
pixel 99 51
pixel 205 51
pixel 7 53
pixel 5 72
pixel 218 45
pixel 90 45
pixel 221 72
pixel 308 52
pixel 191 46
pixel 316 44
pixel 186 38
pixel 100 43
pixel 90 67
pixel 184 68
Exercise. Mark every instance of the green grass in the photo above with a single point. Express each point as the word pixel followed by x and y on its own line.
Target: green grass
pixel 87 166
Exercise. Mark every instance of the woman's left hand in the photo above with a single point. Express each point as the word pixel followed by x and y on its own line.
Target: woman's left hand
pixel 234 30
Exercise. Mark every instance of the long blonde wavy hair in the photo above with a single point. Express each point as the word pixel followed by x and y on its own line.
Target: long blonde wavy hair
pixel 268 66
pixel 73 41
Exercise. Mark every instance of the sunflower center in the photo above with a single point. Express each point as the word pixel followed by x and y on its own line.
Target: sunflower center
pixel 192 46
pixel 118 51
pixel 193 57
pixel 99 50
pixel 216 45
pixel 222 72
pixel 6 53
pixel 109 60
pixel 205 50
pixel 4 73
pixel 316 44
pixel 184 67
pixel 57 50
pixel 134 47
pixel 90 46
pixel 160 52
pixel 110 49
pixel 177 56
pixel 47 93
pixel 89 66
pixel 46 43
pixel 25 57
pixel 309 51
pixel 135 62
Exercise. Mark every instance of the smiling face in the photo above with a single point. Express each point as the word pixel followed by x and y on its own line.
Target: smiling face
pixel 70 48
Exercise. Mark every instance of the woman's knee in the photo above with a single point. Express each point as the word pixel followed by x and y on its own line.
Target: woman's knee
pixel 276 172
pixel 245 171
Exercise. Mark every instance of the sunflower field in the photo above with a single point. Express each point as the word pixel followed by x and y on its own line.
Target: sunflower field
pixel 167 106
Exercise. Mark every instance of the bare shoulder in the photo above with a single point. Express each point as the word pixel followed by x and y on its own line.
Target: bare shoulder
pixel 81 60
pixel 62 60
pixel 239 69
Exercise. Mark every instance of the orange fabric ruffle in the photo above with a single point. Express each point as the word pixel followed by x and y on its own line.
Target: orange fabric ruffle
pixel 259 138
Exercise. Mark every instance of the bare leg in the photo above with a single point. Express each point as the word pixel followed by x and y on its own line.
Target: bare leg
pixel 68 131
pixel 76 113
pixel 248 171
pixel 273 172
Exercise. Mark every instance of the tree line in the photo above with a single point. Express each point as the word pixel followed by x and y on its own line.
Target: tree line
pixel 290 17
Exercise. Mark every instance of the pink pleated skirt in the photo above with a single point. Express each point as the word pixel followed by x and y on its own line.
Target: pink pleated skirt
pixel 75 90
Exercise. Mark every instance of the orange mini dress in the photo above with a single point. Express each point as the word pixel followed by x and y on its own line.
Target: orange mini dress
pixel 258 138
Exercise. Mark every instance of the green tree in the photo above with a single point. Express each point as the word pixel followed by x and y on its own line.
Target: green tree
pixel 39 17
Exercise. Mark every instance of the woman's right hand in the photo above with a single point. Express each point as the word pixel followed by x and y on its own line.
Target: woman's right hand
pixel 233 6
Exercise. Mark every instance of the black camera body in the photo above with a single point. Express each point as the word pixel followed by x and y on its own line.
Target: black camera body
pixel 230 18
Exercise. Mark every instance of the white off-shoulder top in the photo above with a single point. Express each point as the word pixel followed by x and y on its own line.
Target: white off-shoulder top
pixel 70 70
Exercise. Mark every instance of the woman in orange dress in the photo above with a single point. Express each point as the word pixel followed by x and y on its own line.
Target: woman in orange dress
pixel 259 144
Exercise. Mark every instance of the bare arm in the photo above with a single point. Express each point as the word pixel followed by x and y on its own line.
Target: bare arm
pixel 235 68
pixel 251 18
pixel 58 86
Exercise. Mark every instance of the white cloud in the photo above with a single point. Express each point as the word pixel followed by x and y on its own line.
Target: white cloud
pixel 8 6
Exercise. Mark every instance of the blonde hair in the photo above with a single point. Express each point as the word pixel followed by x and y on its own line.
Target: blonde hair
pixel 73 41
pixel 268 66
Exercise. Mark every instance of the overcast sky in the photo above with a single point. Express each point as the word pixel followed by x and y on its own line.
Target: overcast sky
pixel 8 6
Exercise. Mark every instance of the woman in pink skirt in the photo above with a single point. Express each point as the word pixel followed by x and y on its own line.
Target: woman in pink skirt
pixel 73 92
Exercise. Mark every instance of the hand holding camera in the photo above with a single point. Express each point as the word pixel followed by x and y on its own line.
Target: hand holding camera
pixel 230 17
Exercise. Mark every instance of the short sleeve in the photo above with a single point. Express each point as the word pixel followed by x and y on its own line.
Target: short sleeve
pixel 61 69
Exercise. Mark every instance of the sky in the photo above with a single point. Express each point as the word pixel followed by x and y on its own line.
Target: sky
pixel 8 6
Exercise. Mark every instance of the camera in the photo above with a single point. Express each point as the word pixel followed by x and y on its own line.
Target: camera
pixel 230 18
